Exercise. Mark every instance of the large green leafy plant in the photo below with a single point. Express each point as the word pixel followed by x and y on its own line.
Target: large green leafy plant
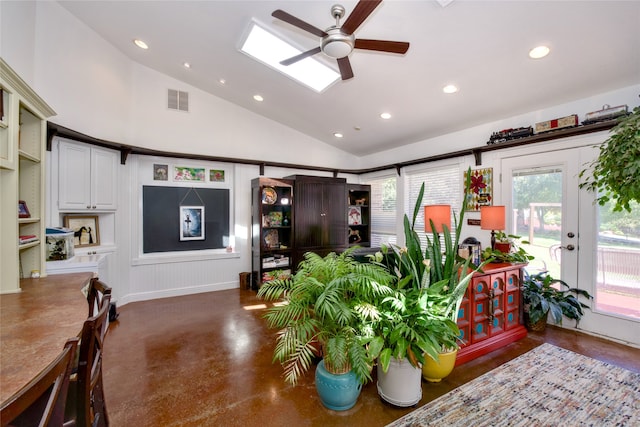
pixel 542 294
pixel 330 301
pixel 614 174
pixel 420 316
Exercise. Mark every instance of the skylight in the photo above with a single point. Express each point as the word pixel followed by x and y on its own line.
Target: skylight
pixel 269 49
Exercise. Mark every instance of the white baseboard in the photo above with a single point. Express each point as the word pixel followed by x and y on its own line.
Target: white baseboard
pixel 176 292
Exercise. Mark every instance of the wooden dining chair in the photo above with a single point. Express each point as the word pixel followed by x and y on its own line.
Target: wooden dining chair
pixel 42 401
pixel 95 294
pixel 85 405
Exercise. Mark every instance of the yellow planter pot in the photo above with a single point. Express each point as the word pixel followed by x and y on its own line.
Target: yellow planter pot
pixel 433 371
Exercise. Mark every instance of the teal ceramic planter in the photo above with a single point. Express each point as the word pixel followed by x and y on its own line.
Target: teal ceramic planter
pixel 337 392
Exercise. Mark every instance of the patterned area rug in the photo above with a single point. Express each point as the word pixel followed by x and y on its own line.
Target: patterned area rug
pixel 548 386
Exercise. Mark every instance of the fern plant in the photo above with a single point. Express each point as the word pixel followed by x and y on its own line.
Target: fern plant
pixel 330 301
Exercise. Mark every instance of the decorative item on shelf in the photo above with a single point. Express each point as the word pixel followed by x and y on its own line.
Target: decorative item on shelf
pixel 507 249
pixel 60 244
pixel 470 248
pixel 86 231
pixel 275 219
pixel 354 236
pixel 23 210
pixel 361 202
pixel 607 113
pixel 492 218
pixel 271 239
pixel 355 215
pixel 269 196
pixel 555 124
pixel 509 134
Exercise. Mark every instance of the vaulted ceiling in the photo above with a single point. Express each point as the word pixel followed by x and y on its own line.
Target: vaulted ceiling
pixel 480 46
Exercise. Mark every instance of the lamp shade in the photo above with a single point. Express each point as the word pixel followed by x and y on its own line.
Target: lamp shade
pixel 492 217
pixel 440 215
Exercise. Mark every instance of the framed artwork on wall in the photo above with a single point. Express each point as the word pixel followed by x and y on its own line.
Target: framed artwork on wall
pixel 182 173
pixel 480 191
pixel 86 230
pixel 160 172
pixel 216 175
pixel 192 223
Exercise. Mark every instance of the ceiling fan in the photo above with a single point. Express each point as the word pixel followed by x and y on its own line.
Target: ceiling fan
pixel 339 41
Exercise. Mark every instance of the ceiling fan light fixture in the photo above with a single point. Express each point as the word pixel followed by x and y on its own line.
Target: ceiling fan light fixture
pixel 337 44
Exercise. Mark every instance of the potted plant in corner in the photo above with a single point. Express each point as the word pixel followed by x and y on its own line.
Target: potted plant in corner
pixel 418 322
pixel 329 302
pixel 542 294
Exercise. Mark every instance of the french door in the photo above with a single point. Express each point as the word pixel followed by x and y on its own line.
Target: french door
pixel 588 246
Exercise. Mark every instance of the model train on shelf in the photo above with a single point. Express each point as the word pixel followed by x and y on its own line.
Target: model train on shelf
pixel 607 113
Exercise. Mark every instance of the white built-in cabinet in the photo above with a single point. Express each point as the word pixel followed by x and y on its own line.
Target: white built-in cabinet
pixel 22 178
pixel 87 178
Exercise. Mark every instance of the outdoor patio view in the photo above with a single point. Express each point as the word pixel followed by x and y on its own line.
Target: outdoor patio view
pixel 537 217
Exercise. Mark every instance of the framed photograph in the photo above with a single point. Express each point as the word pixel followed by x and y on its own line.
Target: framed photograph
pixel 160 172
pixel 480 191
pixel 86 230
pixel 23 210
pixel 355 215
pixel 182 173
pixel 192 223
pixel 216 175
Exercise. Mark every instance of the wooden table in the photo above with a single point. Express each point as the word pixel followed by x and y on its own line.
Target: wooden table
pixel 35 324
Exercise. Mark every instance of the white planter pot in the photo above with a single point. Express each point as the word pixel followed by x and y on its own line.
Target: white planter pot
pixel 401 385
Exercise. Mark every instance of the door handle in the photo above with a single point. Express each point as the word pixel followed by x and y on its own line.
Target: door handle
pixel 568 247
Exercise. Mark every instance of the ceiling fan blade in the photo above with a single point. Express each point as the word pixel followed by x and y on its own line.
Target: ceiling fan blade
pixel 301 56
pixel 345 68
pixel 296 22
pixel 361 12
pixel 382 45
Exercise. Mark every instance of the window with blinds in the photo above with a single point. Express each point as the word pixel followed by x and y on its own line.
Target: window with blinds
pixel 443 185
pixel 383 209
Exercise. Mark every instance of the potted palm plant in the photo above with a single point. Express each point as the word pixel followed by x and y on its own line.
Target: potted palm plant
pixel 329 302
pixel 542 294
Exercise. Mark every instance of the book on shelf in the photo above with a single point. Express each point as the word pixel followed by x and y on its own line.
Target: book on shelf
pixel 28 238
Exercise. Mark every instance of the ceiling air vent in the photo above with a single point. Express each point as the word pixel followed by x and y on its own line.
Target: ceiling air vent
pixel 178 100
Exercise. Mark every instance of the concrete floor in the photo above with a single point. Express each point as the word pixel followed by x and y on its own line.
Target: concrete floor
pixel 205 360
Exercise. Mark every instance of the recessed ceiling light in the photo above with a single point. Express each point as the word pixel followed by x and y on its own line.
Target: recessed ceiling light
pixel 186 65
pixel 539 52
pixel 258 98
pixel 338 135
pixel 140 44
pixel 450 89
pixel 222 81
pixel 385 116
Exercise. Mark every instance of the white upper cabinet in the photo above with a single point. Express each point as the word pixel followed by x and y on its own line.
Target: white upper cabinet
pixel 87 178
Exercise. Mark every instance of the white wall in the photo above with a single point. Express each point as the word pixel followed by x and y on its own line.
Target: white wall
pixel 97 90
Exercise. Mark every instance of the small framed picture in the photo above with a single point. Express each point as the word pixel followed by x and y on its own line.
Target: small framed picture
pixel 182 173
pixel 160 172
pixel 191 223
pixel 23 210
pixel 216 175
pixel 85 230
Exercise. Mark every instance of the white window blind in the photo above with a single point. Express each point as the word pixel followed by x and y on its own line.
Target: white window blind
pixel 443 186
pixel 383 209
